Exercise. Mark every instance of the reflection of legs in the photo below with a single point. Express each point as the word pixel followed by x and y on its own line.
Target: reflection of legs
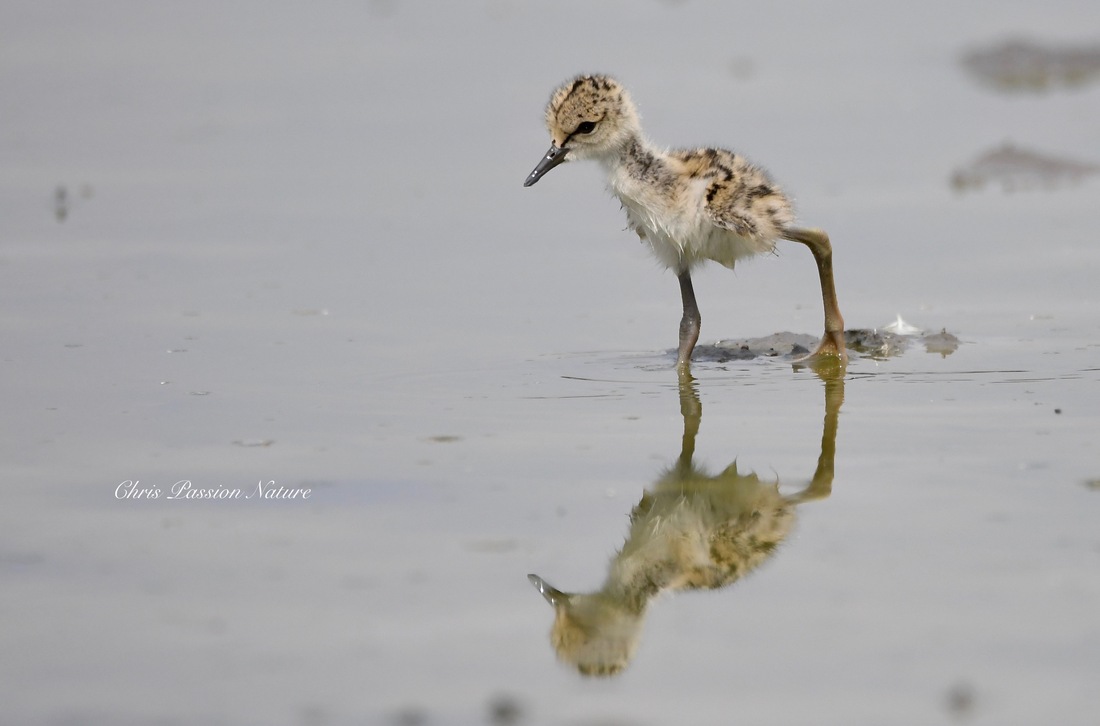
pixel 832 343
pixel 691 408
pixel 690 323
pixel 822 483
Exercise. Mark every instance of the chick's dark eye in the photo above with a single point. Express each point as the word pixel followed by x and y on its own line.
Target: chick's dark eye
pixel 586 127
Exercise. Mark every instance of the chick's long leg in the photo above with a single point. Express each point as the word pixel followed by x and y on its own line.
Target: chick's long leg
pixel 832 343
pixel 689 323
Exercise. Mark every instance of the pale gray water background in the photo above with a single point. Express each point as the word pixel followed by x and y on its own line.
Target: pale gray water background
pixel 296 248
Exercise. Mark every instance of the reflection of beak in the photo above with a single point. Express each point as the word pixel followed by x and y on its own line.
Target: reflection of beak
pixel 555 156
pixel 553 595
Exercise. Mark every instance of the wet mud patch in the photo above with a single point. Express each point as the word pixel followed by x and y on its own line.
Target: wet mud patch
pixel 872 343
pixel 1016 169
pixel 1022 66
pixel 776 345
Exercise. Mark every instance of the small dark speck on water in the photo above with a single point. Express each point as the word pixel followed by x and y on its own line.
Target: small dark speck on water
pixel 62 200
pixel 740 68
pixel 1057 410
pixel 505 711
pixel 313 715
pixel 411 716
pixel 61 203
pixel 444 439
pixel 960 700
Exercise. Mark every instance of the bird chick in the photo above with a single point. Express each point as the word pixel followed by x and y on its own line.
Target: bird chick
pixel 689 205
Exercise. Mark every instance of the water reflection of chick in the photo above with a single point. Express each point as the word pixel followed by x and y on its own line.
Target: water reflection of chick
pixel 691 530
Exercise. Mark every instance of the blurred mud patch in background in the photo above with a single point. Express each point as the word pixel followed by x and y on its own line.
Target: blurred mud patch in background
pixel 1016 169
pixel 1024 66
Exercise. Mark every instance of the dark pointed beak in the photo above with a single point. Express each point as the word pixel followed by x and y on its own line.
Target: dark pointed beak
pixel 555 156
pixel 553 595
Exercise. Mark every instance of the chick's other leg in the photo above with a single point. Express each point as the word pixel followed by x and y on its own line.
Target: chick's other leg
pixel 832 343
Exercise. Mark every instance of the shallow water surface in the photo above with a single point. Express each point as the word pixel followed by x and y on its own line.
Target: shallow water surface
pixel 255 247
